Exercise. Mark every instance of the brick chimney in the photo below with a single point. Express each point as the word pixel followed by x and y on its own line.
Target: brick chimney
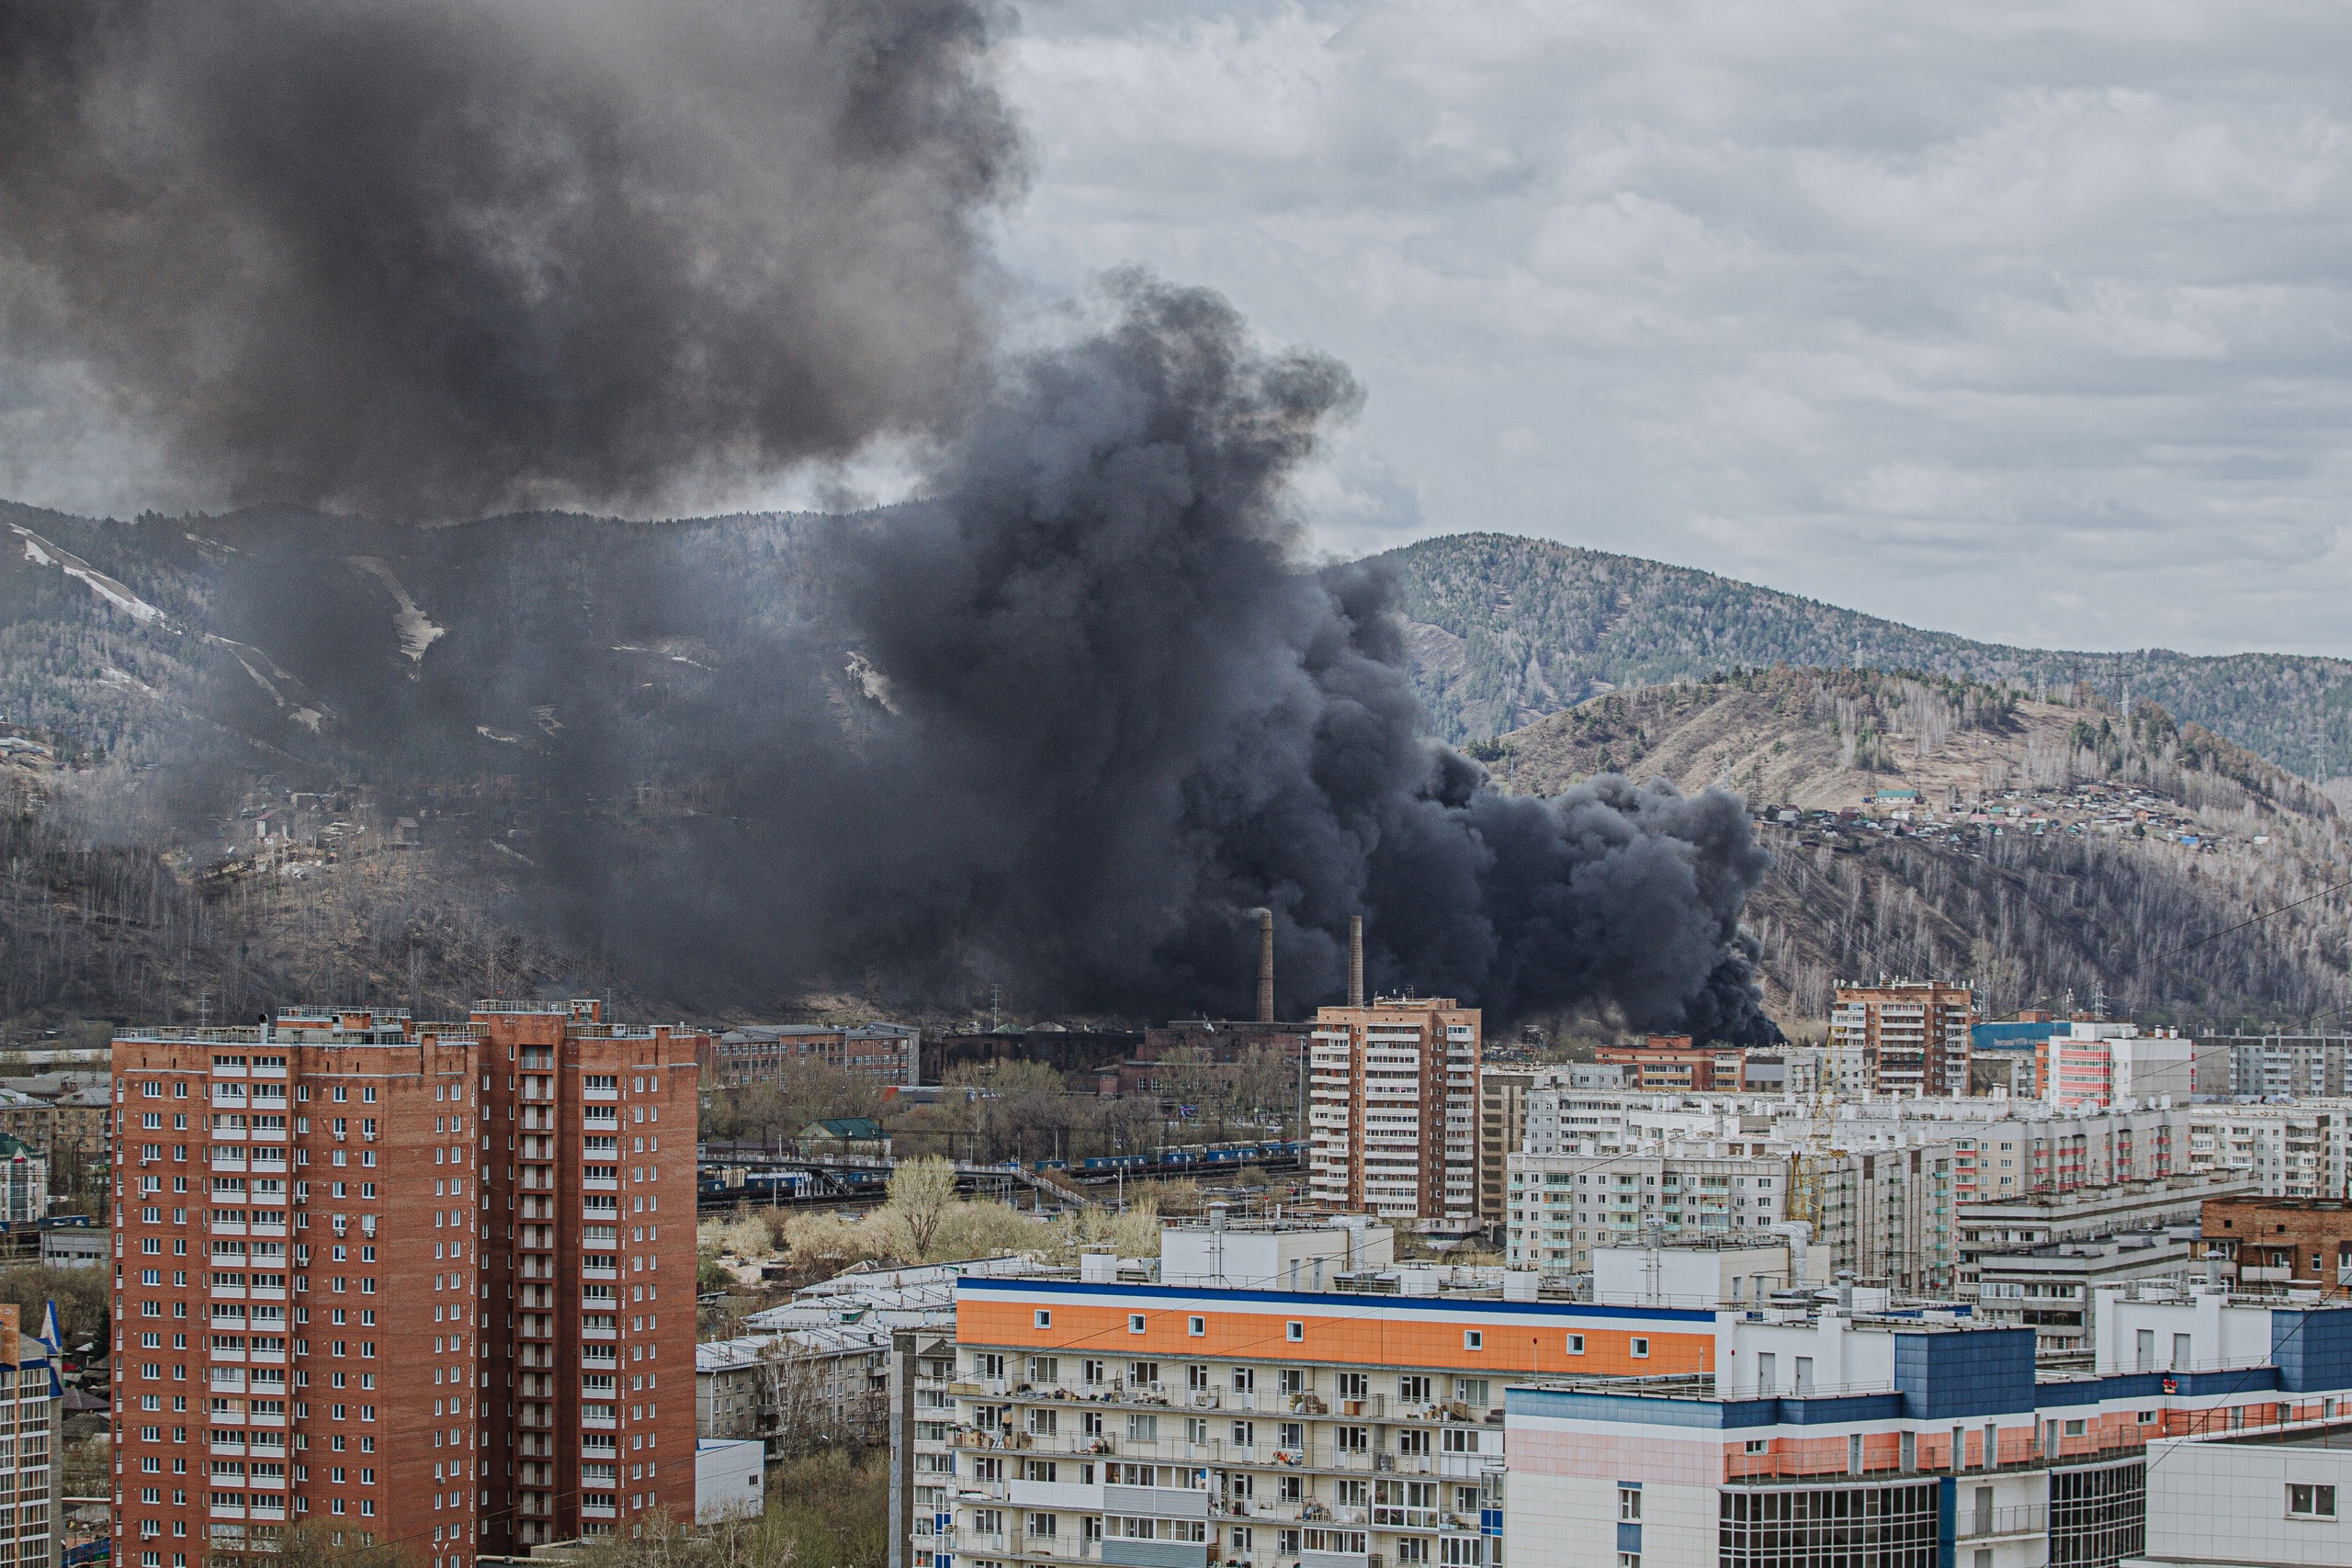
pixel 1265 966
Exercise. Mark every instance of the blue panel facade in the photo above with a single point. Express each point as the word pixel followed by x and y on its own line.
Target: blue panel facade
pixel 2312 1349
pixel 1985 1371
pixel 1629 1539
pixel 1947 1522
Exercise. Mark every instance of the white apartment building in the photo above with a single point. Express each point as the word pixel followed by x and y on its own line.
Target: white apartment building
pixel 1562 1206
pixel 1393 1112
pixel 1569 1122
pixel 2286 1151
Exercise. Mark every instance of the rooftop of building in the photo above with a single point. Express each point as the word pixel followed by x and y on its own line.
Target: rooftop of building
pixel 2183 1182
pixel 1397 1004
pixel 312 1024
pixel 872 1028
pixel 2111 1245
pixel 2318 1435
pixel 842 1127
pixel 2258 1201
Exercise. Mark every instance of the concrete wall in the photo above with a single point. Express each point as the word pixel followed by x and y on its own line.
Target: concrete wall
pixel 729 1479
pixel 2227 1502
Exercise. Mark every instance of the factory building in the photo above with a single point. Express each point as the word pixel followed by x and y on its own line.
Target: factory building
pixel 765 1052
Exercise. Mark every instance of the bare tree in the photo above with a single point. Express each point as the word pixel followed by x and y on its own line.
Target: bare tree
pixel 922 1194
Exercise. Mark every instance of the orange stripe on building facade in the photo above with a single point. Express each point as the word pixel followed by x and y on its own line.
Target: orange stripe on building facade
pixel 1378 1333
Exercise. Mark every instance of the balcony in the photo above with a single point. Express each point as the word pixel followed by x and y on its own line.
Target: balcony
pixel 1158 1553
pixel 1333 1560
pixel 1160 1502
pixel 1995 1524
pixel 1060 1497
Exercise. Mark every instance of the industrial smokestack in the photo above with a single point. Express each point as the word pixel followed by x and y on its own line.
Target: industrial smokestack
pixel 1355 961
pixel 1265 966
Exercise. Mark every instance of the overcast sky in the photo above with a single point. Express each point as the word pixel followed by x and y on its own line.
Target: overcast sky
pixel 2023 321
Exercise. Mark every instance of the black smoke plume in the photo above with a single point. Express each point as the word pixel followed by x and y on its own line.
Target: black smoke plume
pixel 1102 713
pixel 430 258
pixel 1063 724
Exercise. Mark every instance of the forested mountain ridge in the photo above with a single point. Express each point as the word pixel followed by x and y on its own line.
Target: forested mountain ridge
pixel 1504 630
pixel 173 687
pixel 2047 852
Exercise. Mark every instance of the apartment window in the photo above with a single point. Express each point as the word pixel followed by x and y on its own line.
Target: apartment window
pixel 1575 1344
pixel 1629 1560
pixel 1629 1503
pixel 2310 1501
pixel 1196 1327
pixel 1472 1339
pixel 1354 1439
pixel 1044 1319
pixel 1135 1323
pixel 1641 1348
pixel 1294 1332
pixel 1245 1379
pixel 1044 1527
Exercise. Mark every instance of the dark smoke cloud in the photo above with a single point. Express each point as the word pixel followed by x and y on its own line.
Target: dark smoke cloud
pixel 1063 724
pixel 1119 716
pixel 435 257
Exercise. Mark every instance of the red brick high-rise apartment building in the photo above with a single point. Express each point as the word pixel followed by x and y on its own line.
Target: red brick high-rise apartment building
pixel 401 1282
pixel 1393 1117
pixel 1900 1037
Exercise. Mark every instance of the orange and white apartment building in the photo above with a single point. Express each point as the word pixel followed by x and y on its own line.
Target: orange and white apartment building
pixel 1247 1406
pixel 1258 1404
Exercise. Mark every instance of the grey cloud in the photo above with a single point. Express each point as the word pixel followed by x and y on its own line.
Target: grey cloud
pixel 1875 302
pixel 438 257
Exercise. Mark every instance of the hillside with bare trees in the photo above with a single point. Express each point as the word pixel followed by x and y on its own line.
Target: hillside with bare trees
pixel 2047 851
